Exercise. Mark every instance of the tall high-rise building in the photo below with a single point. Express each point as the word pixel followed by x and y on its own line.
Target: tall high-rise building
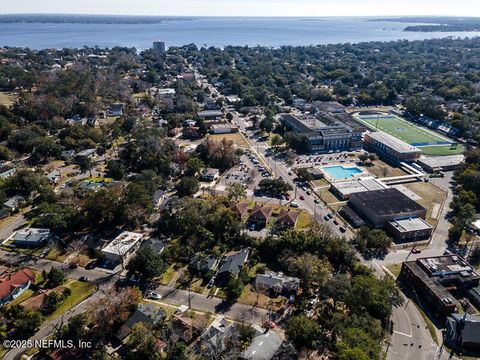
pixel 159 47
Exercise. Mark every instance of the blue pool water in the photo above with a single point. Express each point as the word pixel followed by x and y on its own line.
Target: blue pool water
pixel 340 172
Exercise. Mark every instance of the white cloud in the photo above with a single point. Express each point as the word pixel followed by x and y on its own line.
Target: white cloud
pixel 247 7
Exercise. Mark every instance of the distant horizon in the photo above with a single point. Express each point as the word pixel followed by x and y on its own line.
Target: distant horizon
pixel 246 8
pixel 244 16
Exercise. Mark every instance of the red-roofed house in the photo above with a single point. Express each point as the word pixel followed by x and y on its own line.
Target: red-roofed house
pixel 12 286
pixel 260 216
pixel 287 219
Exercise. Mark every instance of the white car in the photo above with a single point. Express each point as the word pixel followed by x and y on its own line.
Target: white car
pixel 154 296
pixel 294 204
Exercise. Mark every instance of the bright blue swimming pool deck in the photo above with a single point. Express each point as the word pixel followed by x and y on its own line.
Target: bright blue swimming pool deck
pixel 340 172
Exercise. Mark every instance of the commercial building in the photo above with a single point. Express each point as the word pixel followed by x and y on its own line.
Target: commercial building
pixel 223 129
pixel 159 47
pixel 381 206
pixel 390 148
pixel 324 132
pixel 436 278
pixel 441 163
pixel 211 114
pixel 121 249
pixel 409 229
pixel 346 188
pixel 328 106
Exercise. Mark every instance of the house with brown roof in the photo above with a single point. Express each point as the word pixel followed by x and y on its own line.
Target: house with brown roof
pixel 12 286
pixel 260 216
pixel 287 219
pixel 240 209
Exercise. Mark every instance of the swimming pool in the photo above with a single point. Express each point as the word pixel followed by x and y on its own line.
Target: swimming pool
pixel 340 172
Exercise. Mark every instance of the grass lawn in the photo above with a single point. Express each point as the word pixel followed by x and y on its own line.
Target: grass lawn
pixel 251 297
pixel 168 275
pixel 304 220
pixel 431 195
pixel 80 291
pixel 395 269
pixel 381 169
pixel 402 129
pixel 327 196
pixel 7 98
pixel 443 150
pixel 237 139
pixel 26 294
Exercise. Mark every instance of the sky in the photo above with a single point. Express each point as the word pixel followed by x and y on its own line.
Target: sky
pixel 246 7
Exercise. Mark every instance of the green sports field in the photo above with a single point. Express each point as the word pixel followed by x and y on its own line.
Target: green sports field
pixel 428 141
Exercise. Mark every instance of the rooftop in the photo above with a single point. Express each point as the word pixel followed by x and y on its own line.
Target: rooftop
pixel 233 263
pixel 441 161
pixel 360 185
pixel 32 235
pixel 122 243
pixel 263 347
pixel 410 224
pixel 386 202
pixel 392 142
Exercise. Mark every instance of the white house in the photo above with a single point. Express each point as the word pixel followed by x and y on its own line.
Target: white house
pixel 121 249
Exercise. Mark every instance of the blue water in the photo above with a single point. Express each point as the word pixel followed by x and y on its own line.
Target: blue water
pixel 217 32
pixel 340 172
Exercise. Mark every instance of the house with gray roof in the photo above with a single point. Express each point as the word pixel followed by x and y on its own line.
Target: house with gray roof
pixel 272 283
pixel 31 237
pixel 463 332
pixel 263 347
pixel 148 314
pixel 231 265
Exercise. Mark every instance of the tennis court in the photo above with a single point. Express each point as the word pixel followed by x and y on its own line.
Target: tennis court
pixel 430 142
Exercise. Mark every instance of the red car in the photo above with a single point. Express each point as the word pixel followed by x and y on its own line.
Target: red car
pixel 416 251
pixel 302 197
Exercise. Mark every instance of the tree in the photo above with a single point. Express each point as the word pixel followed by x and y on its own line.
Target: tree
pixel 55 277
pixel 27 324
pixel 266 124
pixel 274 187
pixel 302 331
pixel 187 186
pixel 376 240
pixel 310 269
pixel 305 175
pixel 276 141
pixel 194 166
pixel 233 289
pixel 363 157
pixel 85 164
pixel 115 170
pixel 338 288
pixel 236 192
pixel 147 263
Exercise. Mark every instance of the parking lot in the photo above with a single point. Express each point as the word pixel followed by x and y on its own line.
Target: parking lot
pixel 248 173
pixel 326 159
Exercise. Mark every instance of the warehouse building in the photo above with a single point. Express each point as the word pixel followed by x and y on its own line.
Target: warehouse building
pixel 390 148
pixel 441 163
pixel 381 206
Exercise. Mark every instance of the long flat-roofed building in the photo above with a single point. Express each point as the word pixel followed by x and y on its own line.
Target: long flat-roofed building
pixel 381 206
pixel 409 229
pixel 390 148
pixel 344 189
pixel 323 132
pixel 441 163
pixel 436 277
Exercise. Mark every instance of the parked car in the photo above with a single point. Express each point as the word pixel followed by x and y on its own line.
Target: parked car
pixel 294 204
pixel 335 222
pixel 342 229
pixel 416 251
pixel 154 296
pixel 326 218
pixel 329 216
pixel 302 197
pixel 84 279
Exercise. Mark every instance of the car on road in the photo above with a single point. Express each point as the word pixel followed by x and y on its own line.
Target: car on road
pixel 302 197
pixel 335 222
pixel 154 296
pixel 326 218
pixel 316 201
pixel 329 216
pixel 308 192
pixel 416 251
pixel 84 279
pixel 342 229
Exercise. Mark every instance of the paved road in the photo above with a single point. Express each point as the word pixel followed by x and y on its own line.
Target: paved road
pixel 14 225
pixel 212 304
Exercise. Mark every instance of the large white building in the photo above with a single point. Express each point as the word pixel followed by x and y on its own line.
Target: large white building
pixel 121 249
